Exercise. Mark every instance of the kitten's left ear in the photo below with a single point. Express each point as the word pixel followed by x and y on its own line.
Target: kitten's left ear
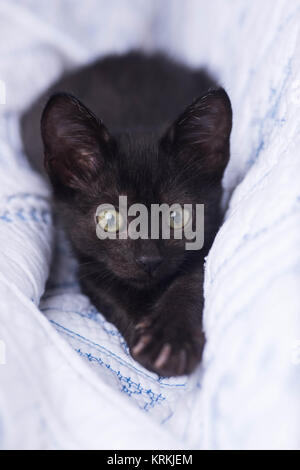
pixel 76 144
pixel 200 136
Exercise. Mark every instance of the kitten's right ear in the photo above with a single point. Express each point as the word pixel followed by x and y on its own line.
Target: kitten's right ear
pixel 75 143
pixel 199 138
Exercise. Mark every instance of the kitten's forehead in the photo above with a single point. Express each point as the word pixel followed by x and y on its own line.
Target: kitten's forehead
pixel 141 169
pixel 139 150
pixel 146 174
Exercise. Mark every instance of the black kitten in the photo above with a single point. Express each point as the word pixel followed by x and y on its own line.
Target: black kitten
pixel 150 289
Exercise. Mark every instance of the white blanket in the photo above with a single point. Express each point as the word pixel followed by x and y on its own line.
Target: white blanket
pixel 66 378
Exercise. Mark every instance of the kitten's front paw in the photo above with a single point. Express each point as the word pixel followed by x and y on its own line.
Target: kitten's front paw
pixel 167 349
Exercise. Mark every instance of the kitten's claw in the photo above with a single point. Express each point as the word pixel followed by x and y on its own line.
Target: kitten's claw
pixel 141 344
pixel 163 356
pixel 167 352
pixel 143 324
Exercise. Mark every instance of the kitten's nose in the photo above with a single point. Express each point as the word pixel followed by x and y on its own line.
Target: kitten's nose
pixel 149 262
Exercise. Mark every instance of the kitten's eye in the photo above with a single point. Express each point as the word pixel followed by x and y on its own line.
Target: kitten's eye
pixel 110 220
pixel 179 218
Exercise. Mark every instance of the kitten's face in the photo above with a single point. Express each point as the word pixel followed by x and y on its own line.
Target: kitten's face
pixel 140 178
pixel 88 167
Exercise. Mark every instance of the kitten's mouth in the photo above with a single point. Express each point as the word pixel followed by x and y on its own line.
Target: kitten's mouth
pixel 143 281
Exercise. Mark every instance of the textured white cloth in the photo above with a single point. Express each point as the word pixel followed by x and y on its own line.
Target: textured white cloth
pixel 68 381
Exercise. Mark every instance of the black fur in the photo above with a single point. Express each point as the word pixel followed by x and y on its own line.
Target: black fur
pixel 142 149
